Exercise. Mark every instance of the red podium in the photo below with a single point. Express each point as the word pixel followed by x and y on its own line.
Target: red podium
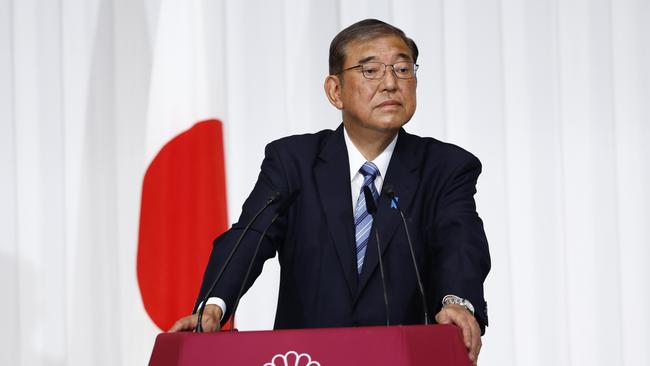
pixel 396 345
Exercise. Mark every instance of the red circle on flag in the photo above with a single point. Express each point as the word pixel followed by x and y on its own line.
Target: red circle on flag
pixel 183 209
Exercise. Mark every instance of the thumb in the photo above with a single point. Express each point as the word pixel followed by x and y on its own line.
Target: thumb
pixel 443 317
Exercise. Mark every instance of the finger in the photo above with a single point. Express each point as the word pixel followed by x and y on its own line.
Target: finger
pixel 474 359
pixel 480 345
pixel 443 317
pixel 476 340
pixel 207 324
pixel 184 324
pixel 466 329
pixel 178 325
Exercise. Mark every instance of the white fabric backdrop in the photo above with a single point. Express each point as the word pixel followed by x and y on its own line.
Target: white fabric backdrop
pixel 553 96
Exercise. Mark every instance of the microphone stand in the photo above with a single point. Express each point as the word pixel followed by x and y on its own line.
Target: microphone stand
pixel 272 198
pixel 280 212
pixel 372 209
pixel 392 194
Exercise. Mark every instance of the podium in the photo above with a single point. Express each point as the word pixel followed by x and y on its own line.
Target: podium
pixel 413 345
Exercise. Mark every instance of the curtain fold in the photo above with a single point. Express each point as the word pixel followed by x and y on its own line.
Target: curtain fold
pixel 552 96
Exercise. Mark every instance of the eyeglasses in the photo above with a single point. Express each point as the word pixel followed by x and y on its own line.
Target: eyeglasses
pixel 377 70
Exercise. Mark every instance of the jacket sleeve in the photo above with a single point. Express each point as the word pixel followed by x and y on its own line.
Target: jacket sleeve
pixel 271 180
pixel 461 259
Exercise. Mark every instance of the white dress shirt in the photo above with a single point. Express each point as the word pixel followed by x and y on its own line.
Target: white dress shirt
pixel 357 160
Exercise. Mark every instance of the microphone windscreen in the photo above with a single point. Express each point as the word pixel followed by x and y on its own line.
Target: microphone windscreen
pixel 389 190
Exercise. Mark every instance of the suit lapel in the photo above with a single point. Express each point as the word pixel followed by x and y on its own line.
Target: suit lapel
pixel 332 173
pixel 403 176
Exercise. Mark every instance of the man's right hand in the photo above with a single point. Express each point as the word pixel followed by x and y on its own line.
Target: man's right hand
pixel 211 321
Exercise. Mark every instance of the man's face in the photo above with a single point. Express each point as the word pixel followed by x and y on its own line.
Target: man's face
pixel 381 105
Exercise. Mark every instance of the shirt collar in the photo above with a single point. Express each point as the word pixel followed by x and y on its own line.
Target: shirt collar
pixel 356 159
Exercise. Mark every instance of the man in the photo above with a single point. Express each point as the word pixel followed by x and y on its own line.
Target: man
pixel 326 244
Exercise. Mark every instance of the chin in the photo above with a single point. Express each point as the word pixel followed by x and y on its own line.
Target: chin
pixel 390 125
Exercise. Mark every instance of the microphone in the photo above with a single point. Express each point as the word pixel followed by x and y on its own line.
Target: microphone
pixel 372 209
pixel 272 198
pixel 279 212
pixel 390 192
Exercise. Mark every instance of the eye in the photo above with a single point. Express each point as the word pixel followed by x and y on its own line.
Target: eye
pixel 371 69
pixel 403 69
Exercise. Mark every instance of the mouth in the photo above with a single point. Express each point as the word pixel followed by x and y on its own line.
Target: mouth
pixel 389 103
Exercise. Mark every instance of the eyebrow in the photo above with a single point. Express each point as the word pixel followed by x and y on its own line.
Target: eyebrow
pixel 366 59
pixel 372 58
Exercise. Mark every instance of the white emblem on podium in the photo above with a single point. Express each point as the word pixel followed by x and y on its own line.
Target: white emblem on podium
pixel 292 358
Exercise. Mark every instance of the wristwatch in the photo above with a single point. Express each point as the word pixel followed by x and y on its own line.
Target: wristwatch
pixel 453 299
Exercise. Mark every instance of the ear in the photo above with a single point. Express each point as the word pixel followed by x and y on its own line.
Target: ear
pixel 333 90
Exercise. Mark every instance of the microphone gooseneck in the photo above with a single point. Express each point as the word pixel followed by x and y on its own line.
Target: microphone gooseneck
pixel 279 212
pixel 275 196
pixel 372 209
pixel 390 192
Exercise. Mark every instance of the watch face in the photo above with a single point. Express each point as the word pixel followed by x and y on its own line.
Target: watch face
pixel 451 299
pixel 468 305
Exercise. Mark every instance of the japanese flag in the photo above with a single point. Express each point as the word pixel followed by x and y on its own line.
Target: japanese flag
pixel 183 205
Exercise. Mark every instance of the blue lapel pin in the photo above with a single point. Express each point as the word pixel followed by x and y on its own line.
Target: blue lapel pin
pixel 393 202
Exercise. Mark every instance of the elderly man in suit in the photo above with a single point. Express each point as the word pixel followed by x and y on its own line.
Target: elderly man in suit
pixel 326 243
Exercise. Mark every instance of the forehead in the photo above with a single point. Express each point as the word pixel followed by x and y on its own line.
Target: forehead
pixel 386 48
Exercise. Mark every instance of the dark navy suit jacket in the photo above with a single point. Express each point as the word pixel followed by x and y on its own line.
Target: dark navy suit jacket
pixel 319 284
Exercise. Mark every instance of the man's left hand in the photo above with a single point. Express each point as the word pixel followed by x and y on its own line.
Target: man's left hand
pixel 462 318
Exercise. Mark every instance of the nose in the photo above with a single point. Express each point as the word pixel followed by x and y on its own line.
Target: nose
pixel 389 82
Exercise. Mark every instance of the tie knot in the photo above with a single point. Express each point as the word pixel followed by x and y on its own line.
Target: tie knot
pixel 369 169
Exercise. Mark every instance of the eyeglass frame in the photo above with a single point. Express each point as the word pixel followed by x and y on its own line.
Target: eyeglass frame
pixel 415 69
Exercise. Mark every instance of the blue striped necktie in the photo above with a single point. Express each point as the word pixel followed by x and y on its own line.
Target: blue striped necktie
pixel 362 219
